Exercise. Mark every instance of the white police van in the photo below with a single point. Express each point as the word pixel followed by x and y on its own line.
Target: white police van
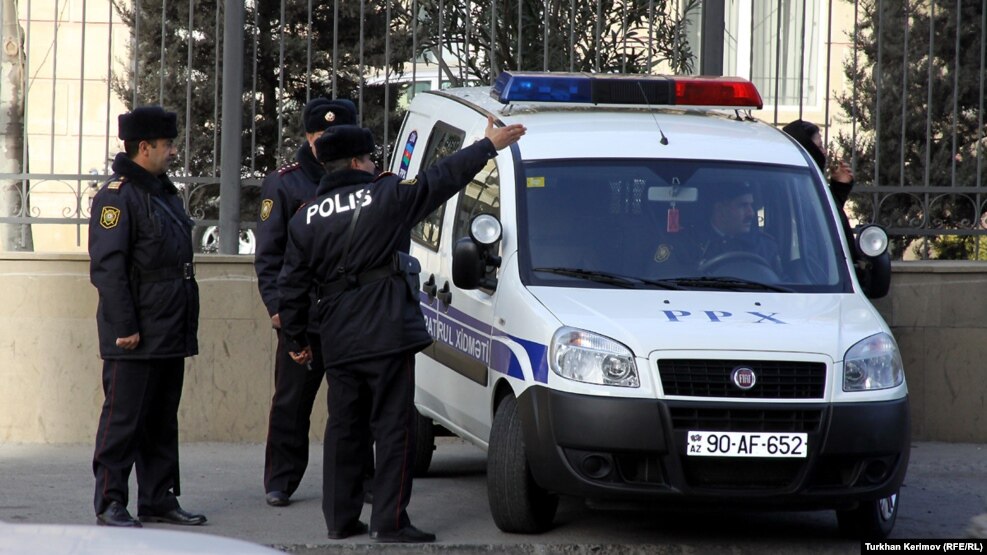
pixel 600 337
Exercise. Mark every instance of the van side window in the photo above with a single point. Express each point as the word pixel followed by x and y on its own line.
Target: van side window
pixel 443 141
pixel 481 196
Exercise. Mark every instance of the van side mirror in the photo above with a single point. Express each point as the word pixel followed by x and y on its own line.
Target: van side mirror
pixel 471 256
pixel 874 269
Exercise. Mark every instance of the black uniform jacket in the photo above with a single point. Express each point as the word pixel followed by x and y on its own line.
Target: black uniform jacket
pixel 282 193
pixel 381 317
pixel 140 249
pixel 709 243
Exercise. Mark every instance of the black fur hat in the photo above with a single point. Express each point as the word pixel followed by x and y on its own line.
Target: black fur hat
pixel 344 141
pixel 146 123
pixel 320 114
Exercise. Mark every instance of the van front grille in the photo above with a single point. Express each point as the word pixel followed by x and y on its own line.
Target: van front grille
pixel 746 420
pixel 773 379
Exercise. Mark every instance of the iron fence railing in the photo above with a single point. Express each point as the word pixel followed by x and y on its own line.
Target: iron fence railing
pixel 898 88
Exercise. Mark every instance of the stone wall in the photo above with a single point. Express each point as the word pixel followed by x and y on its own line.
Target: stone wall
pixel 938 312
pixel 51 371
pixel 50 368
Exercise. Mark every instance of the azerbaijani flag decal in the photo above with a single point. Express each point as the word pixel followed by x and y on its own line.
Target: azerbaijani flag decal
pixel 409 149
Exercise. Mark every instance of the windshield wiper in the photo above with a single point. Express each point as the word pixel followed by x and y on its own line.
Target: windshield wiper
pixel 591 275
pixel 609 278
pixel 732 283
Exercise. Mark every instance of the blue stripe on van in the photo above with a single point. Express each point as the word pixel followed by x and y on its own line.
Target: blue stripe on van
pixel 473 338
pixel 538 355
pixel 502 360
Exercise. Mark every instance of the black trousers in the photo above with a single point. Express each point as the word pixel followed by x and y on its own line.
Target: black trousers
pixel 139 426
pixel 295 388
pixel 369 400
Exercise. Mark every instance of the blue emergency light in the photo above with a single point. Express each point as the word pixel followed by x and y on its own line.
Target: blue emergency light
pixel 606 88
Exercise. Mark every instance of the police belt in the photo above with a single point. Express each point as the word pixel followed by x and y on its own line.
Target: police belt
pixel 352 282
pixel 181 271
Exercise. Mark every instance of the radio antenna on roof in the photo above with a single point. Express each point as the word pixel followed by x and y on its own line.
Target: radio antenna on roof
pixel 664 139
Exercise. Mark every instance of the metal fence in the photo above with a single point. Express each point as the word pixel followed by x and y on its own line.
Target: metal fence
pixel 898 88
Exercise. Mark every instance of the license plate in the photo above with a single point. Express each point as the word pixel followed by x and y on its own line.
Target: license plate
pixel 746 444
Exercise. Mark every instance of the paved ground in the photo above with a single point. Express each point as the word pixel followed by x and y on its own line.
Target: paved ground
pixel 52 484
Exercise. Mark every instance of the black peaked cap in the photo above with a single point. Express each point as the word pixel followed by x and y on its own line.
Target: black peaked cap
pixel 723 192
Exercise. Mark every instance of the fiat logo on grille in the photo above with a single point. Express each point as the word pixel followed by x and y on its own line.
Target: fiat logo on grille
pixel 743 377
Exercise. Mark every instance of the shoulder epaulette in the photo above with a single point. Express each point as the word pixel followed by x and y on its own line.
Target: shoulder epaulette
pixel 382 175
pixel 115 184
pixel 289 168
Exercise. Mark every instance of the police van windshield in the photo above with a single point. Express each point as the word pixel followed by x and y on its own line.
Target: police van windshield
pixel 682 224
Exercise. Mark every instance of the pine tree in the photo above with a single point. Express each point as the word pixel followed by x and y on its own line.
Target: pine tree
pixel 908 101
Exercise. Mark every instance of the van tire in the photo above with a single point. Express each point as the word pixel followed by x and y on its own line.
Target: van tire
pixel 424 445
pixel 517 503
pixel 871 520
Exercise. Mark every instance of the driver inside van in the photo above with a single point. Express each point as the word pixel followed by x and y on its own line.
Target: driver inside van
pixel 729 238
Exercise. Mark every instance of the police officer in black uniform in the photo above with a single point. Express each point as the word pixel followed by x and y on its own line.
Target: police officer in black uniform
pixel 732 231
pixel 346 244
pixel 295 385
pixel 140 247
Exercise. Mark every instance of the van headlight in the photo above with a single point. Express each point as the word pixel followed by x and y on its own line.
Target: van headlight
pixel 873 363
pixel 592 358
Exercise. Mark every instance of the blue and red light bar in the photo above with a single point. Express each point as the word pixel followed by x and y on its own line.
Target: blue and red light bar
pixel 604 88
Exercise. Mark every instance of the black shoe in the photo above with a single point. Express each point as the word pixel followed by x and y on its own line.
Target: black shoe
pixel 352 529
pixel 175 516
pixel 408 534
pixel 116 515
pixel 278 499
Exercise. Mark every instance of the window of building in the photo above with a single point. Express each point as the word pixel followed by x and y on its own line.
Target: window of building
pixel 774 43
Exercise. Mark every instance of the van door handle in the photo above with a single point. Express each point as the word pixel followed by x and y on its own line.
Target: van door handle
pixel 429 288
pixel 445 295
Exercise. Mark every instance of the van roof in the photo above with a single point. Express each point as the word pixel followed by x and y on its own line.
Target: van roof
pixel 565 130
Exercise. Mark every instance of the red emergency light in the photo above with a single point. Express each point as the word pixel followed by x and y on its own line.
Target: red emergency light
pixel 716 91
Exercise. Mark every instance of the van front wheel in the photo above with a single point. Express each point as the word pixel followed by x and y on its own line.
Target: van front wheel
pixel 871 520
pixel 517 503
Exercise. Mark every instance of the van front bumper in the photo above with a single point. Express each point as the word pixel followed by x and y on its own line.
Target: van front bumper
pixel 635 449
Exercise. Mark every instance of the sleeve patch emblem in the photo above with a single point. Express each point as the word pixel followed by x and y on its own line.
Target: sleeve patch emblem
pixel 265 209
pixel 109 217
pixel 663 253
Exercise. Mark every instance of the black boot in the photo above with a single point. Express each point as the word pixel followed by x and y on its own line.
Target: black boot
pixel 408 534
pixel 116 515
